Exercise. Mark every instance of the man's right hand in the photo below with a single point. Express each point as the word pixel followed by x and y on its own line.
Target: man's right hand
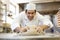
pixel 23 29
pixel 20 29
pixel 17 29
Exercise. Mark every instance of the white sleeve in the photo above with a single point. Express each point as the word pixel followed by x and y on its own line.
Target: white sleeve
pixel 48 22
pixel 44 21
pixel 16 22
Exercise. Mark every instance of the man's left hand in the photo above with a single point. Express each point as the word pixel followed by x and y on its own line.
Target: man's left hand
pixel 39 29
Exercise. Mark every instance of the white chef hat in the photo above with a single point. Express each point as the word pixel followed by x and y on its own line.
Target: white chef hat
pixel 31 6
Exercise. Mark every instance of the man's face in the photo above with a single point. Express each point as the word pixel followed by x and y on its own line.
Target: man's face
pixel 30 14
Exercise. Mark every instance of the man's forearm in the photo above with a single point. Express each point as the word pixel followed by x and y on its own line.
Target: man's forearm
pixel 43 27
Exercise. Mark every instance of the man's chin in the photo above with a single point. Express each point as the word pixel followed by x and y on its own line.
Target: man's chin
pixel 30 18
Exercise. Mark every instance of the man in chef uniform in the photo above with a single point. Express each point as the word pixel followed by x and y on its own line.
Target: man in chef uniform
pixel 30 18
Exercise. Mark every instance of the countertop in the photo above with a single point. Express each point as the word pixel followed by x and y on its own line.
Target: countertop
pixel 17 36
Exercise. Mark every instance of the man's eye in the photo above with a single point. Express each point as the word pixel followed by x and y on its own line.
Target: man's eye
pixel 28 13
pixel 32 13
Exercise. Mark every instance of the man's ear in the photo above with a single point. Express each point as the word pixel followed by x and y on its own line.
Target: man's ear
pixel 35 11
pixel 25 11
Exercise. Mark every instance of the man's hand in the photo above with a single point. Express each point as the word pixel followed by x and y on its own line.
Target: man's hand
pixel 39 29
pixel 27 28
pixel 20 29
pixel 17 29
pixel 23 29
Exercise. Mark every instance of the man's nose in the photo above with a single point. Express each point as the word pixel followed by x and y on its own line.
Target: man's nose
pixel 30 14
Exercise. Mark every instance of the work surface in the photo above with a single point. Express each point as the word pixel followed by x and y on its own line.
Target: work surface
pixel 18 36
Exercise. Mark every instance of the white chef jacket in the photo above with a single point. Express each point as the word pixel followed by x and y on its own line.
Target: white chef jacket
pixel 47 17
pixel 22 20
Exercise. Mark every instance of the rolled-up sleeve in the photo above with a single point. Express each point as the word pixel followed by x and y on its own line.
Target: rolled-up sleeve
pixel 48 23
pixel 44 21
pixel 16 22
